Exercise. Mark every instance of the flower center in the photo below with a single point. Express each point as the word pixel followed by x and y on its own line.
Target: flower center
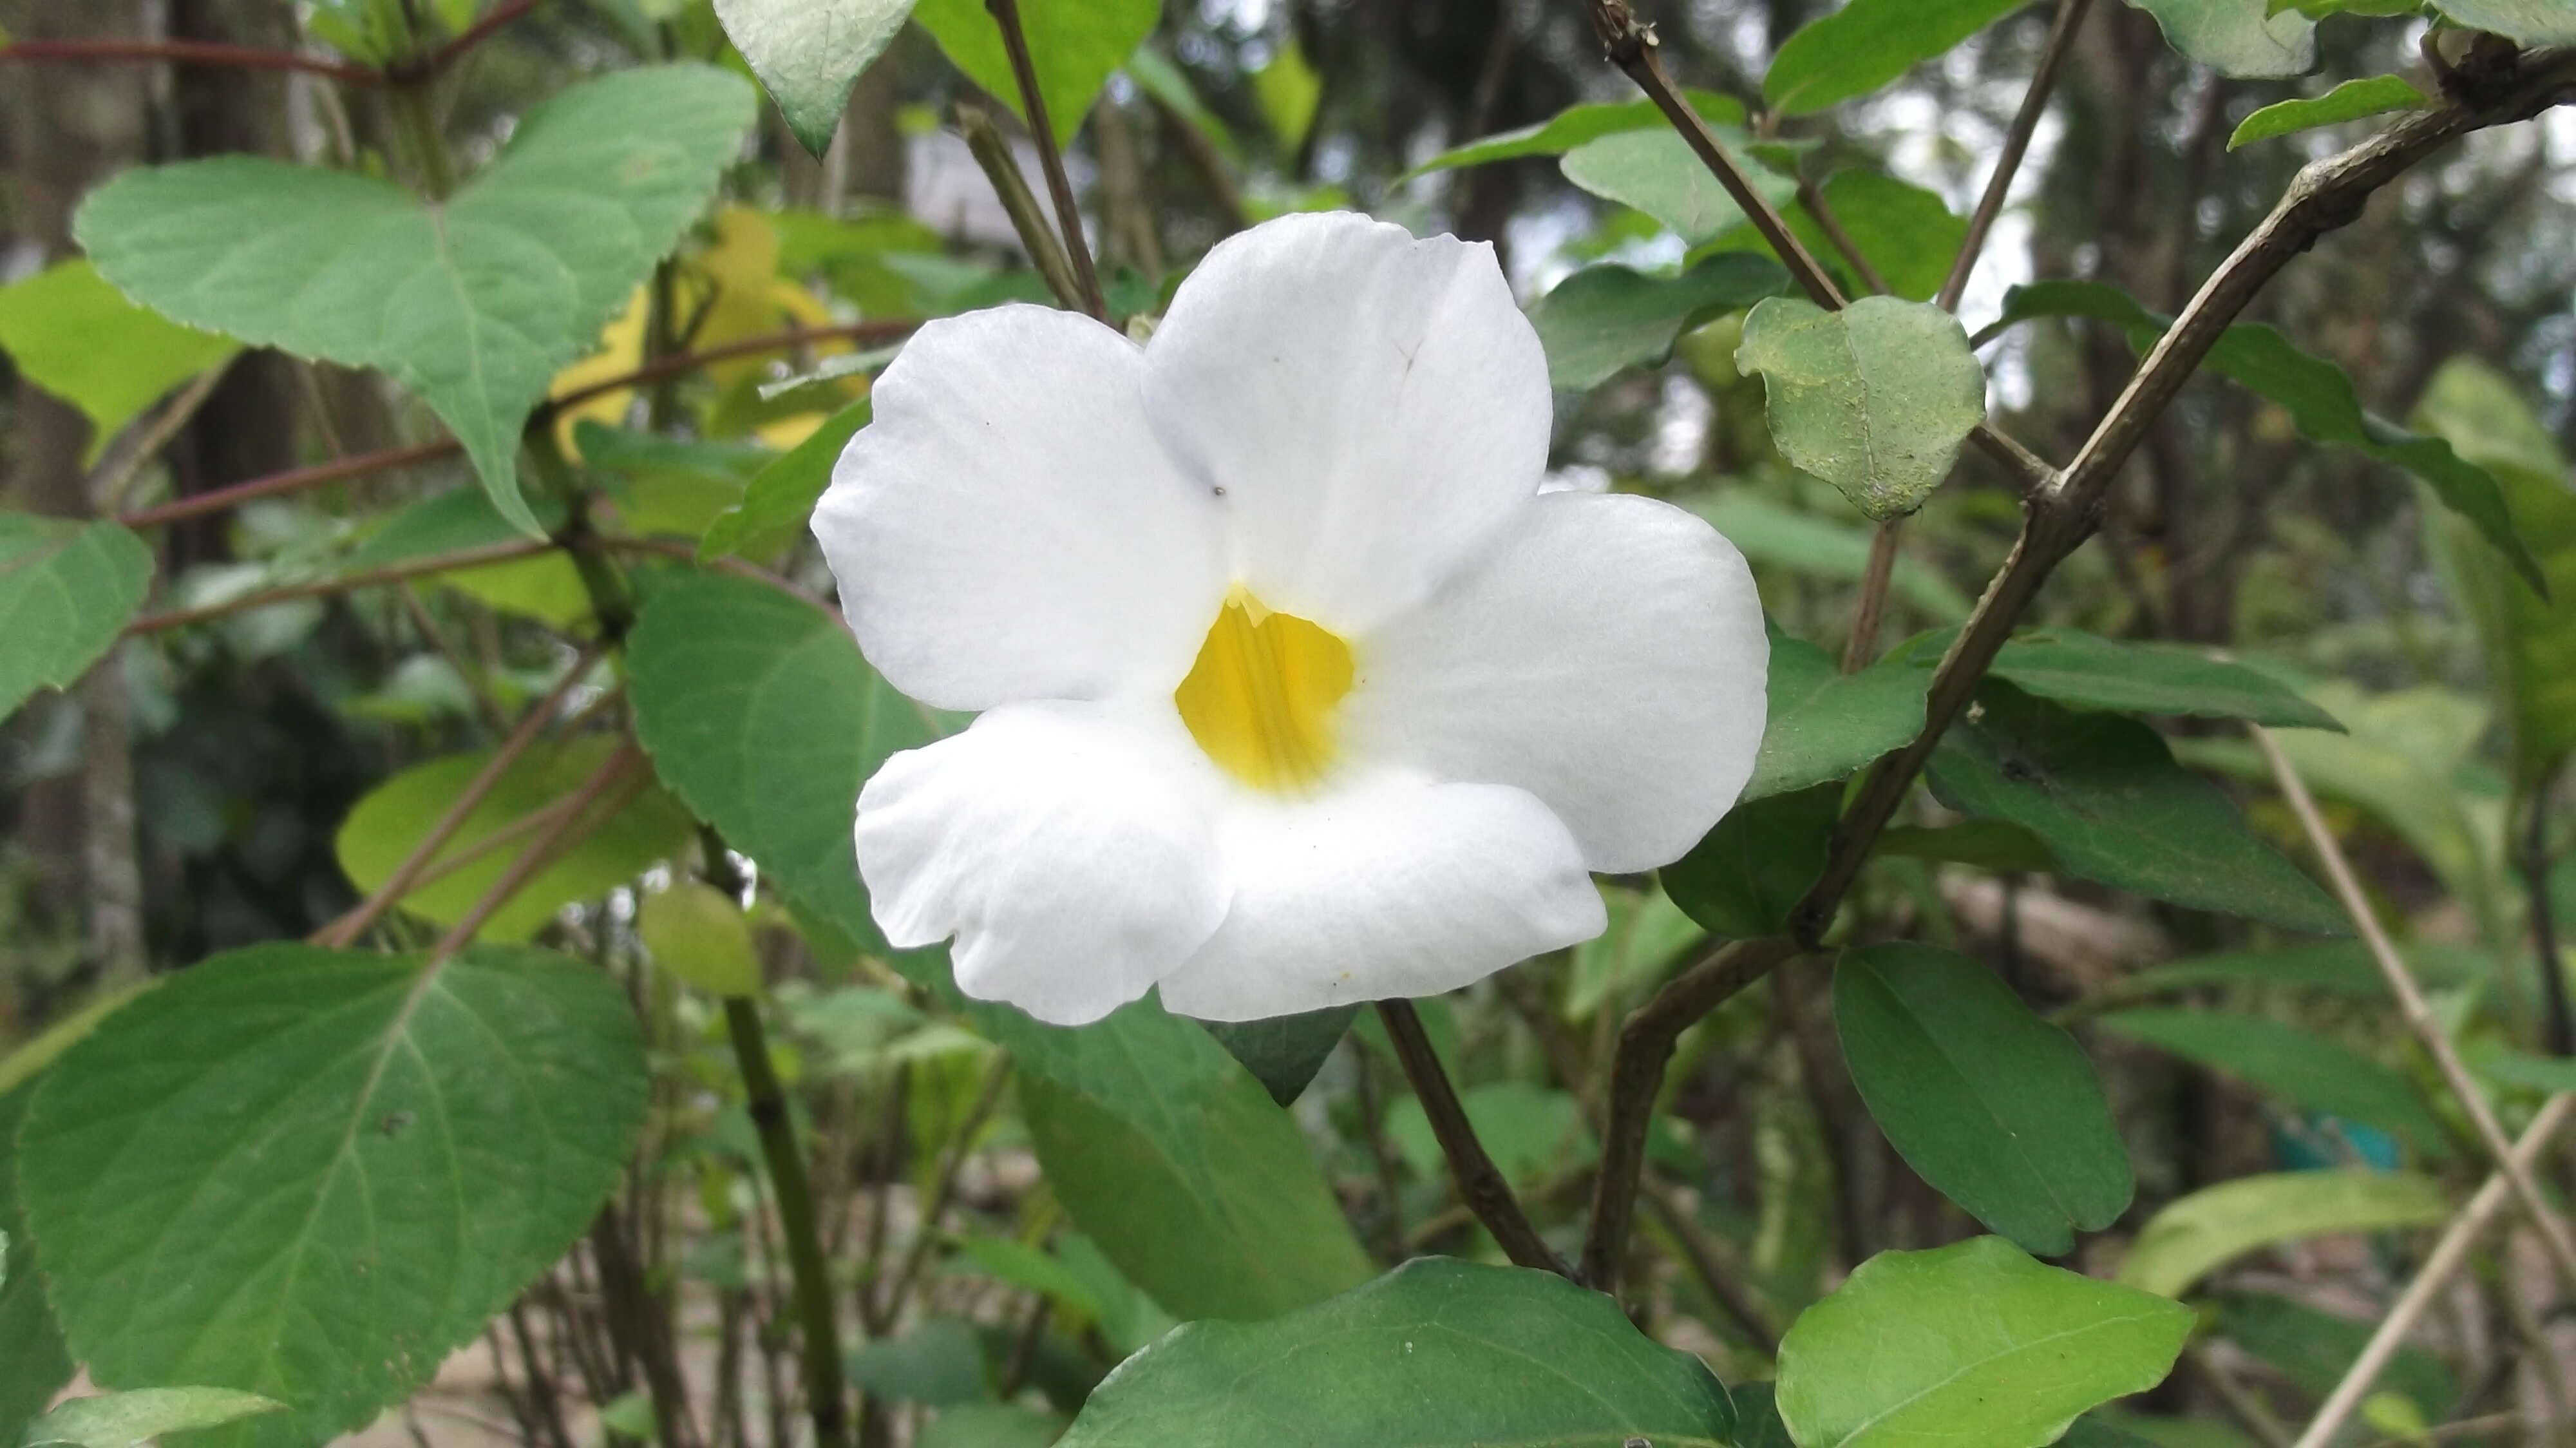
pixel 1260 699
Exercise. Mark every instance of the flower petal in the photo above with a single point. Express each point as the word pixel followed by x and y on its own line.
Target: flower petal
pixel 1388 886
pixel 1070 848
pixel 1008 528
pixel 1607 655
pixel 1372 405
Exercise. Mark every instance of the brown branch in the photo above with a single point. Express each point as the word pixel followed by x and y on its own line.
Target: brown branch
pixel 1873 596
pixel 1481 1184
pixel 191 52
pixel 1812 197
pixel 294 480
pixel 499 19
pixel 1637 1078
pixel 992 152
pixel 490 553
pixel 1068 214
pixel 349 927
pixel 2034 104
pixel 2057 518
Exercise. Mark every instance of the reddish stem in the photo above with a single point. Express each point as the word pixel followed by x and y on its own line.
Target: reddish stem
pixel 191 52
pixel 475 34
pixel 294 480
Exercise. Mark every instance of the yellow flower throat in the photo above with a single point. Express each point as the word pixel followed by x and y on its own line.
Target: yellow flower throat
pixel 1261 697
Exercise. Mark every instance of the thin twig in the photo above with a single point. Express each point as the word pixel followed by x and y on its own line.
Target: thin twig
pixel 2411 1003
pixel 1068 213
pixel 809 1274
pixel 621 771
pixel 864 334
pixel 1631 47
pixel 1481 1184
pixel 1812 197
pixel 1700 1252
pixel 1646 1042
pixel 349 927
pixel 992 152
pixel 943 1189
pixel 293 480
pixel 2240 1401
pixel 135 450
pixel 500 17
pixel 1872 609
pixel 2432 1277
pixel 348 582
pixel 2034 104
pixel 191 52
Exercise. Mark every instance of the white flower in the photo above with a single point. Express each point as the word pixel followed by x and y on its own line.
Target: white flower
pixel 1294 691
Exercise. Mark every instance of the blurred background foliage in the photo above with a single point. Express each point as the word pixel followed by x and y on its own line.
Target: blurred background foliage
pixel 248 780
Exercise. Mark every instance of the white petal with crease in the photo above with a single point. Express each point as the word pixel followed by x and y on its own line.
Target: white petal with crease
pixel 1389 885
pixel 1372 405
pixel 1071 849
pixel 1607 656
pixel 1008 528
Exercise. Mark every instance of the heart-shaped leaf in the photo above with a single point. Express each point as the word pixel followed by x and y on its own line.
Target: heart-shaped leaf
pixel 474 302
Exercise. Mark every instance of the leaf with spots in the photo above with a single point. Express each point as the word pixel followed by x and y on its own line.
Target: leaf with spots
pixel 1875 399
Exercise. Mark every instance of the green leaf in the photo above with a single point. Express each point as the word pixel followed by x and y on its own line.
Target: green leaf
pixel 1749 872
pixel 1908 233
pixel 1575 125
pixel 2351 101
pixel 1187 1174
pixel 1826 725
pixel 1768 533
pixel 810 52
pixel 1987 844
pixel 938 1361
pixel 1283 1053
pixel 123 1420
pixel 474 303
pixel 1994 1107
pixel 1868 43
pixel 66 591
pixel 2215 1224
pixel 1076 45
pixel 2105 795
pixel 2091 672
pixel 2273 1056
pixel 1656 172
pixel 312 1174
pixel 33 1363
pixel 2314 1349
pixel 397 814
pixel 759 712
pixel 700 935
pixel 2529 641
pixel 1606 318
pixel 78 338
pixel 1436 1354
pixel 1970 1343
pixel 1534 1133
pixel 2317 395
pixel 2237 38
pixel 2532 22
pixel 1875 399
pixel 779 501
pixel 991 1425
pixel 2340 967
pixel 1289 91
